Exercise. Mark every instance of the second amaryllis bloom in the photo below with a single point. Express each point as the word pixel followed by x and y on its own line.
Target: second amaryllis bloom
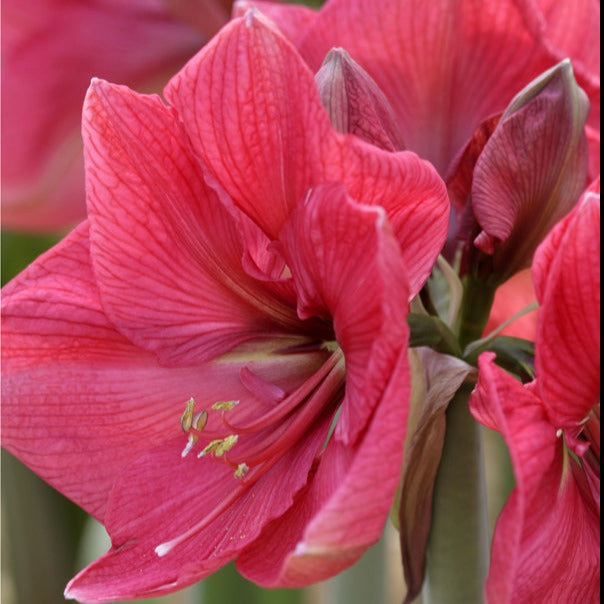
pixel 214 364
pixel 546 543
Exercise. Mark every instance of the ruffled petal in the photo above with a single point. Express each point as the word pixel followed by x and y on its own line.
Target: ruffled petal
pixel 80 401
pixel 343 258
pixel 546 542
pixel 266 139
pixel 42 170
pixel 167 254
pixel 567 274
pixel 344 508
pixel 347 267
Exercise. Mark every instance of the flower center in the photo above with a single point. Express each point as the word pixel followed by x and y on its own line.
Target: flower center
pixel 253 444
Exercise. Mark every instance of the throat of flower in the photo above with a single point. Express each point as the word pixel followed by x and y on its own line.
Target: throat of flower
pixel 253 446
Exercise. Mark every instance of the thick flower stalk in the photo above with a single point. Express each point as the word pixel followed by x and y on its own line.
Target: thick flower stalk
pixel 214 364
pixel 546 543
pixel 50 50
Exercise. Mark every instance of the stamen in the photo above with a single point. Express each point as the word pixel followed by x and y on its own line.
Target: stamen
pixel 224 405
pixel 219 446
pixel 187 417
pixel 242 470
pixel 200 420
pixel 192 439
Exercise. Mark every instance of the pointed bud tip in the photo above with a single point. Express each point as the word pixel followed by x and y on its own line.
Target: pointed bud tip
pixel 561 74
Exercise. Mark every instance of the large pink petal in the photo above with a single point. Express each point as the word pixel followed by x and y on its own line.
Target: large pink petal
pixel 343 258
pixel 344 509
pixel 266 138
pixel 445 66
pixel 567 275
pixel 161 496
pixel 347 266
pixel 573 30
pixel 546 543
pixel 80 401
pixel 167 254
pixel 50 50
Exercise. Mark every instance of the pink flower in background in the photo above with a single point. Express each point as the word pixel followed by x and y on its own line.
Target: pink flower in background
pixel 50 50
pixel 236 254
pixel 446 66
pixel 546 544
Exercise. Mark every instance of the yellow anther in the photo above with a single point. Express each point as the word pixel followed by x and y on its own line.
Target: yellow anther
pixel 241 470
pixel 187 417
pixel 200 420
pixel 220 446
pixel 224 405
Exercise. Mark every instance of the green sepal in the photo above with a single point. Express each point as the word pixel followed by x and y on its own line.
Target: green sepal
pixel 515 355
pixel 427 330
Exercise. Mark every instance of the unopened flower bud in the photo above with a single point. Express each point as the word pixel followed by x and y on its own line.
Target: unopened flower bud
pixel 355 103
pixel 530 173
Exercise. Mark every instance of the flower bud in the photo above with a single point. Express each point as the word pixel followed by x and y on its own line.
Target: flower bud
pixel 530 173
pixel 355 103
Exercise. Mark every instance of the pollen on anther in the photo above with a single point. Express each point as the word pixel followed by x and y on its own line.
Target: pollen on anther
pixel 220 446
pixel 224 405
pixel 187 417
pixel 200 420
pixel 242 470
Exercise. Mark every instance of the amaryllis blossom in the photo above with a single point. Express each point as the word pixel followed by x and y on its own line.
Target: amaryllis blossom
pixel 214 363
pixel 546 543
pixel 50 50
pixel 445 66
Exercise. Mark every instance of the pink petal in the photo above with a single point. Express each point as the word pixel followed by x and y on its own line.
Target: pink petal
pixel 167 254
pixel 443 66
pixel 343 257
pixel 546 543
pixel 343 510
pixel 293 19
pixel 532 169
pixel 161 496
pixel 512 297
pixel 573 30
pixel 79 401
pixel 567 278
pixel 138 42
pixel 266 139
pixel 347 266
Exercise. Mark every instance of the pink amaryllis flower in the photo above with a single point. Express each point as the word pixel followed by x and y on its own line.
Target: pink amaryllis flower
pixel 243 276
pixel 546 544
pixel 50 50
pixel 446 66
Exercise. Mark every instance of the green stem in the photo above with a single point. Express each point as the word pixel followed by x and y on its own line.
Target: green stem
pixel 475 309
pixel 458 547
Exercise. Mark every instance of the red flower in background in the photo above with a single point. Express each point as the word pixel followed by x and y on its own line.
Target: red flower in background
pixel 546 544
pixel 235 252
pixel 50 50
